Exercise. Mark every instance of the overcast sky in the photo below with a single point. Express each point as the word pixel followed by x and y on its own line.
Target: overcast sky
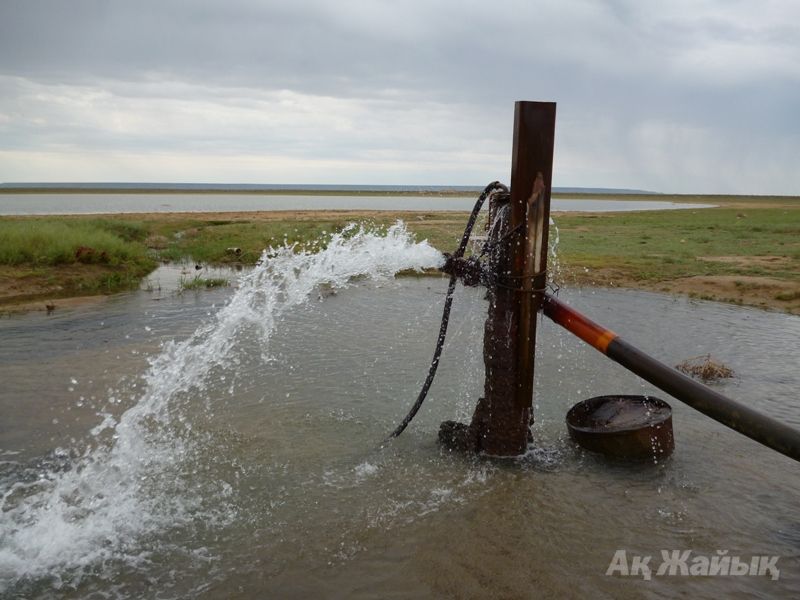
pixel 669 96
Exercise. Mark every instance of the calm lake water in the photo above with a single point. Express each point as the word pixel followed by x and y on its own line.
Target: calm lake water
pixel 280 487
pixel 47 204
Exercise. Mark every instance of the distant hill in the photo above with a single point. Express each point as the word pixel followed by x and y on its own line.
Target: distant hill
pixel 273 187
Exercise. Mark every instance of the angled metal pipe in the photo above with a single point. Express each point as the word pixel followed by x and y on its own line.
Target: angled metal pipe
pixel 755 425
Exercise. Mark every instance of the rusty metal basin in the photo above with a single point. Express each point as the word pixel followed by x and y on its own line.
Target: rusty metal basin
pixel 623 426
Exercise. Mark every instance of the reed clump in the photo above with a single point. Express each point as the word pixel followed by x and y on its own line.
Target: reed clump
pixel 703 367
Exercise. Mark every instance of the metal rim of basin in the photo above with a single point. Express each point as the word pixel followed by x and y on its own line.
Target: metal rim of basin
pixel 623 426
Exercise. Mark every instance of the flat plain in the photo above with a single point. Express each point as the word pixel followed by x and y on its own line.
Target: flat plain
pixel 745 251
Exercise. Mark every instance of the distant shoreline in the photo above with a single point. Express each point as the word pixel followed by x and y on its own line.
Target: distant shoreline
pixel 237 191
pixel 280 188
pixel 621 195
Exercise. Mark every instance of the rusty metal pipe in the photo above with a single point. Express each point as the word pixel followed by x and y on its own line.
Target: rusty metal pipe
pixel 755 425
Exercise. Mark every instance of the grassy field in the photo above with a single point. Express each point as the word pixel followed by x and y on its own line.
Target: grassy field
pixel 746 251
pixel 746 256
pixel 57 257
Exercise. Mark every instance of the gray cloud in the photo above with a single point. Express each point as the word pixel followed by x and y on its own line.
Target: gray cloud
pixel 689 96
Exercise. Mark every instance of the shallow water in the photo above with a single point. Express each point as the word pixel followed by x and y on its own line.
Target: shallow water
pixel 48 204
pixel 280 486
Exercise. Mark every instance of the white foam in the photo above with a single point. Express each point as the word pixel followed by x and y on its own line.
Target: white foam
pixel 365 469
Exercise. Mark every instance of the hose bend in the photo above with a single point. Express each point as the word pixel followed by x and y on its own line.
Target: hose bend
pixel 448 303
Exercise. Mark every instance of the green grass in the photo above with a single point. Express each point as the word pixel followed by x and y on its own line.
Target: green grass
pixel 666 245
pixel 211 242
pixel 72 256
pixel 50 242
pixel 202 283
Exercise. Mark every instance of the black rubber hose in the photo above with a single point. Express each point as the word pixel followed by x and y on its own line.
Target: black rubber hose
pixel 448 303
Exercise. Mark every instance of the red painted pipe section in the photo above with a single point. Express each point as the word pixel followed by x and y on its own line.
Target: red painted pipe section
pixel 570 319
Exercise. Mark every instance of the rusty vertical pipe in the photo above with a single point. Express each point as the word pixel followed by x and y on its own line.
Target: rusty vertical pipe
pixel 510 338
pixel 755 425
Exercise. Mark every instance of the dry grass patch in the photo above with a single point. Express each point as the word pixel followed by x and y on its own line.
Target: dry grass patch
pixel 704 368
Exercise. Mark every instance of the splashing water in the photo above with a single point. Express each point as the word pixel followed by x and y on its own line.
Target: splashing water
pixel 554 264
pixel 69 517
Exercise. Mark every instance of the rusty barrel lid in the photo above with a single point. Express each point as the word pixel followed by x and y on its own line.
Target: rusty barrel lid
pixel 623 426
